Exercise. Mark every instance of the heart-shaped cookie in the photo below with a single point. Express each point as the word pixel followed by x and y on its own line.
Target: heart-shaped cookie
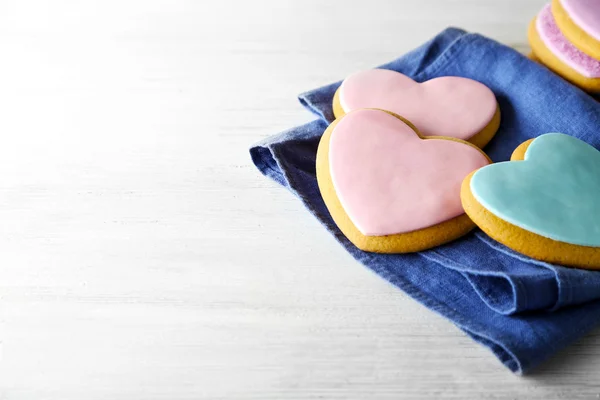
pixel 543 203
pixel 389 189
pixel 448 106
pixel 579 21
pixel 554 50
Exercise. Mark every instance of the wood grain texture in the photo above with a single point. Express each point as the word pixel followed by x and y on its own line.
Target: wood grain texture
pixel 134 227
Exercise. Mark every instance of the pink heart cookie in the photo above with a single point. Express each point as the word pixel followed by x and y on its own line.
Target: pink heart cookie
pixel 579 22
pixel 448 106
pixel 390 190
pixel 586 14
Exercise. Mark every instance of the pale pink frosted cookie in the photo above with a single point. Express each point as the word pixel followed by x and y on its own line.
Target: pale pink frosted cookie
pixel 586 14
pixel 389 180
pixel 447 106
pixel 390 190
pixel 579 21
pixel 564 50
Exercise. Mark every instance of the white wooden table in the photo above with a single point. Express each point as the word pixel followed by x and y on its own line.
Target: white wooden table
pixel 134 227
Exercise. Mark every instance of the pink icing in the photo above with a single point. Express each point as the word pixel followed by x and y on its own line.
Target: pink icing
pixel 560 46
pixel 391 181
pixel 586 14
pixel 446 106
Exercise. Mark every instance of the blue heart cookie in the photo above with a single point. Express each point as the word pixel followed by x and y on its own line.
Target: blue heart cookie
pixel 545 203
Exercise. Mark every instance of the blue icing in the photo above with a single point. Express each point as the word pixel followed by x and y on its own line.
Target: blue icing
pixel 554 192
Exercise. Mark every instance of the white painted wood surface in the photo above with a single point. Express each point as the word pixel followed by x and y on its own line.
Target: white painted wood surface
pixel 134 228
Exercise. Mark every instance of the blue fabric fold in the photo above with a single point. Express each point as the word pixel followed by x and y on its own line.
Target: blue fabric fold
pixel 523 310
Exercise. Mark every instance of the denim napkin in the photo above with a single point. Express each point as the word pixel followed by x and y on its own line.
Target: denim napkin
pixel 523 310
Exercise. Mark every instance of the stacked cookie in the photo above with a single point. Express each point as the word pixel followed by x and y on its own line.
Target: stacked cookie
pixel 565 36
pixel 402 169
